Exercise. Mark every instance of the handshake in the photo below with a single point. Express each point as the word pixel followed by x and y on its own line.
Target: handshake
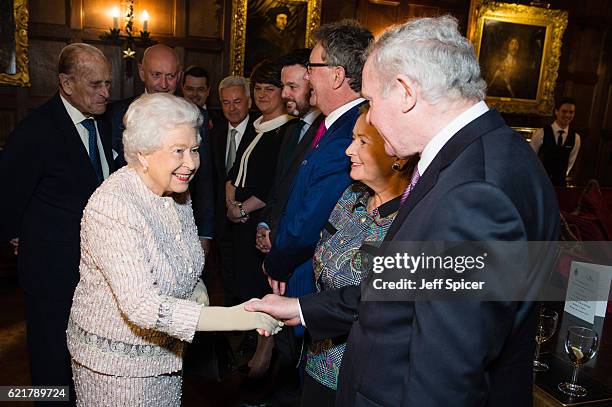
pixel 267 315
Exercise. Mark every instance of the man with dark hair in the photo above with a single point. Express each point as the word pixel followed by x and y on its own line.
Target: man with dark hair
pixel 196 87
pixel 558 145
pixel 296 94
pixel 53 161
pixel 334 73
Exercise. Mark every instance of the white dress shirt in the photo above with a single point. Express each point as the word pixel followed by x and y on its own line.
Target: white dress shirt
pixel 77 117
pixel 308 119
pixel 335 115
pixel 240 129
pixel 538 138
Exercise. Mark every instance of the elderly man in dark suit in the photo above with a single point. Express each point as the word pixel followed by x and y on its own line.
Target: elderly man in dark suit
pixel 226 138
pixel 426 96
pixel 53 161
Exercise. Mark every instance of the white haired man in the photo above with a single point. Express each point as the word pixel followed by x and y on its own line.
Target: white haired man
pixel 423 82
pixel 53 161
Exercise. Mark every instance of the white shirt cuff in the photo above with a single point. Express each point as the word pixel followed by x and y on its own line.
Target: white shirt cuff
pixel 301 315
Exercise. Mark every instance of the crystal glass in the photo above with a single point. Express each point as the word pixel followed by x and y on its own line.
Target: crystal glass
pixel 580 345
pixel 547 325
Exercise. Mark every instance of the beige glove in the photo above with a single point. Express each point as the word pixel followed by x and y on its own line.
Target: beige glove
pixel 200 294
pixel 236 319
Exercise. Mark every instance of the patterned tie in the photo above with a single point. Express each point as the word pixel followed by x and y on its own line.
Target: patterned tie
pixel 94 153
pixel 320 132
pixel 413 181
pixel 560 138
pixel 231 154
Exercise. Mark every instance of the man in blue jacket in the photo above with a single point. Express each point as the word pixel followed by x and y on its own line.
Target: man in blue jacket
pixel 334 72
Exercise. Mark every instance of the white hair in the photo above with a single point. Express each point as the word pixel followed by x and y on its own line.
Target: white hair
pixel 150 116
pixel 235 80
pixel 433 54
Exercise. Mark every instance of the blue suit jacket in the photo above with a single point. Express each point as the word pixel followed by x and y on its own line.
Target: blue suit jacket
pixel 319 183
pixel 484 185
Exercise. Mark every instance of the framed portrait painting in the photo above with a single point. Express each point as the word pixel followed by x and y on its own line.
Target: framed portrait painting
pixel 270 28
pixel 14 43
pixel 518 48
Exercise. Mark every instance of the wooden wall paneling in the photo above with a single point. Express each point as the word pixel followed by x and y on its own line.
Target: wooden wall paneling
pixel 76 14
pixel 162 16
pixel 49 11
pixel 378 14
pixel 333 10
pixel 213 62
pixel 96 14
pixel 113 54
pixel 43 66
pixel 8 120
pixel 204 18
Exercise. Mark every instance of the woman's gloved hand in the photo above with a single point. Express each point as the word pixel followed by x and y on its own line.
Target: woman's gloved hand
pixel 236 319
pixel 200 294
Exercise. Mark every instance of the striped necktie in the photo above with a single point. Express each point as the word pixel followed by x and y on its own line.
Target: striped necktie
pixel 413 181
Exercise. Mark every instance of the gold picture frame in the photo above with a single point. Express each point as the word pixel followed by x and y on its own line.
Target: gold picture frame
pixel 519 48
pixel 244 15
pixel 14 44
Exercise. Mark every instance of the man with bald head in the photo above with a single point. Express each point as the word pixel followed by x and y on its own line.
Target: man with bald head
pixel 53 161
pixel 160 70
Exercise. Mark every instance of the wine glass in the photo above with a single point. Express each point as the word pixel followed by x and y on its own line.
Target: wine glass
pixel 580 345
pixel 547 324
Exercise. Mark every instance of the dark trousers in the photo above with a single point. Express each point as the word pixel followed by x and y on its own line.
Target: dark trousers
pixel 317 395
pixel 47 320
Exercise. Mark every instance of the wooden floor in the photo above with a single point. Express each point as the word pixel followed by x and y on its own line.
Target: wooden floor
pixel 234 390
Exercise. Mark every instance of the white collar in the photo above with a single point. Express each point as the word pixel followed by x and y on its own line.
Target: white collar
pixel 241 128
pixel 434 146
pixel 262 127
pixel 335 115
pixel 555 126
pixel 75 114
pixel 311 116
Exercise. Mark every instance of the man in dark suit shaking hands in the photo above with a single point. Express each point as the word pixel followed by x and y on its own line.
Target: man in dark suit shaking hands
pixel 53 162
pixel 426 96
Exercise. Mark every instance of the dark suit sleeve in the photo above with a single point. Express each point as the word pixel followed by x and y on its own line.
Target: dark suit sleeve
pixel 203 191
pixel 299 231
pixel 330 314
pixel 453 342
pixel 21 166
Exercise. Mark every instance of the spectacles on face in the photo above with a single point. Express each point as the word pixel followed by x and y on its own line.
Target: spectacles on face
pixel 310 65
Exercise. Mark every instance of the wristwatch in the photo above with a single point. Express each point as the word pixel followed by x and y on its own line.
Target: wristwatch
pixel 241 209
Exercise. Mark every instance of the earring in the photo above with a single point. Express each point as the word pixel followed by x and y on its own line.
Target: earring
pixel 145 169
pixel 396 166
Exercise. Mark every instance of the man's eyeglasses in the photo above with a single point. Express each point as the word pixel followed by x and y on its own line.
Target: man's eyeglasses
pixel 310 65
